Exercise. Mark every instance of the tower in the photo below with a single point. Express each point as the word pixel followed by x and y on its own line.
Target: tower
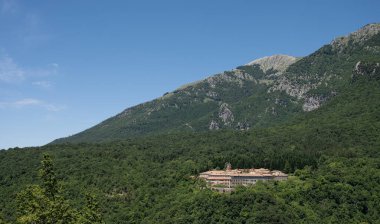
pixel 228 166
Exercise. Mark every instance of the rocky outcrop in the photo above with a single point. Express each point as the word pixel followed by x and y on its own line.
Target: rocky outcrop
pixel 243 126
pixel 312 103
pixel 291 88
pixel 225 114
pixel 213 125
pixel 241 75
pixel 358 37
pixel 366 69
pixel 235 76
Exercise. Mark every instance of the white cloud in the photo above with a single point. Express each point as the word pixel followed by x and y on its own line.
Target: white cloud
pixel 34 30
pixel 31 102
pixel 29 27
pixel 8 6
pixel 42 84
pixel 10 71
pixel 54 108
pixel 54 65
pixel 49 70
pixel 27 102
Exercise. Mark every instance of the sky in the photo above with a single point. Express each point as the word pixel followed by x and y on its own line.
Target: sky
pixel 68 65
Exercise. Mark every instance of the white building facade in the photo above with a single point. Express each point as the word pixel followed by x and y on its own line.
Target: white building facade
pixel 230 178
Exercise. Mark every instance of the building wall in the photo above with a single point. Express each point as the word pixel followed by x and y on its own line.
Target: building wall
pixel 247 180
pixel 232 181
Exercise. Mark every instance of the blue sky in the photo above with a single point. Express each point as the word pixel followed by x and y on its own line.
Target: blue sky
pixel 67 65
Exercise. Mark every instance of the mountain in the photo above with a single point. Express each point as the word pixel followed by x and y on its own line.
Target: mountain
pixel 331 154
pixel 265 92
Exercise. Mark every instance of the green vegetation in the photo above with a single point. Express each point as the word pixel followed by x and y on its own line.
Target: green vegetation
pixel 45 204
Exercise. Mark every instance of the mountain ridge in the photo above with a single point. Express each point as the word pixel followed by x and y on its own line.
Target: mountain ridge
pixel 264 92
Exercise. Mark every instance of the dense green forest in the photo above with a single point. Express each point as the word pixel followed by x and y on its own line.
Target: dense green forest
pixel 332 155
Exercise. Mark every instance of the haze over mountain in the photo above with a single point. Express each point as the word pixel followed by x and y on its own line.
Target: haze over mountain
pixel 262 93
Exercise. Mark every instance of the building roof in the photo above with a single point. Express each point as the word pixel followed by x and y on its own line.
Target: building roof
pixel 219 178
pixel 243 173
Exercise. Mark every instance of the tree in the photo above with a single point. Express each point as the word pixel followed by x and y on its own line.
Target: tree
pixel 288 167
pixel 47 174
pixel 44 204
pixel 91 214
pixel 2 219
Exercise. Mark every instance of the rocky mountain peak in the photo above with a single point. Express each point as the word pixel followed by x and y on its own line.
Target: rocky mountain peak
pixel 357 37
pixel 277 62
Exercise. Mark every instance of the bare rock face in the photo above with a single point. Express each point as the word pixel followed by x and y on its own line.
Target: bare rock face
pixel 366 69
pixel 226 114
pixel 276 62
pixel 312 103
pixel 212 94
pixel 213 125
pixel 241 75
pixel 235 76
pixel 243 126
pixel 125 113
pixel 212 81
pixel 292 89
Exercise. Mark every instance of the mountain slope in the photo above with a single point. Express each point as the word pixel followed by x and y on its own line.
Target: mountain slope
pixel 263 93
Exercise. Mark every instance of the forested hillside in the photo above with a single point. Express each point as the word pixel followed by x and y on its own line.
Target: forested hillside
pixel 332 155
